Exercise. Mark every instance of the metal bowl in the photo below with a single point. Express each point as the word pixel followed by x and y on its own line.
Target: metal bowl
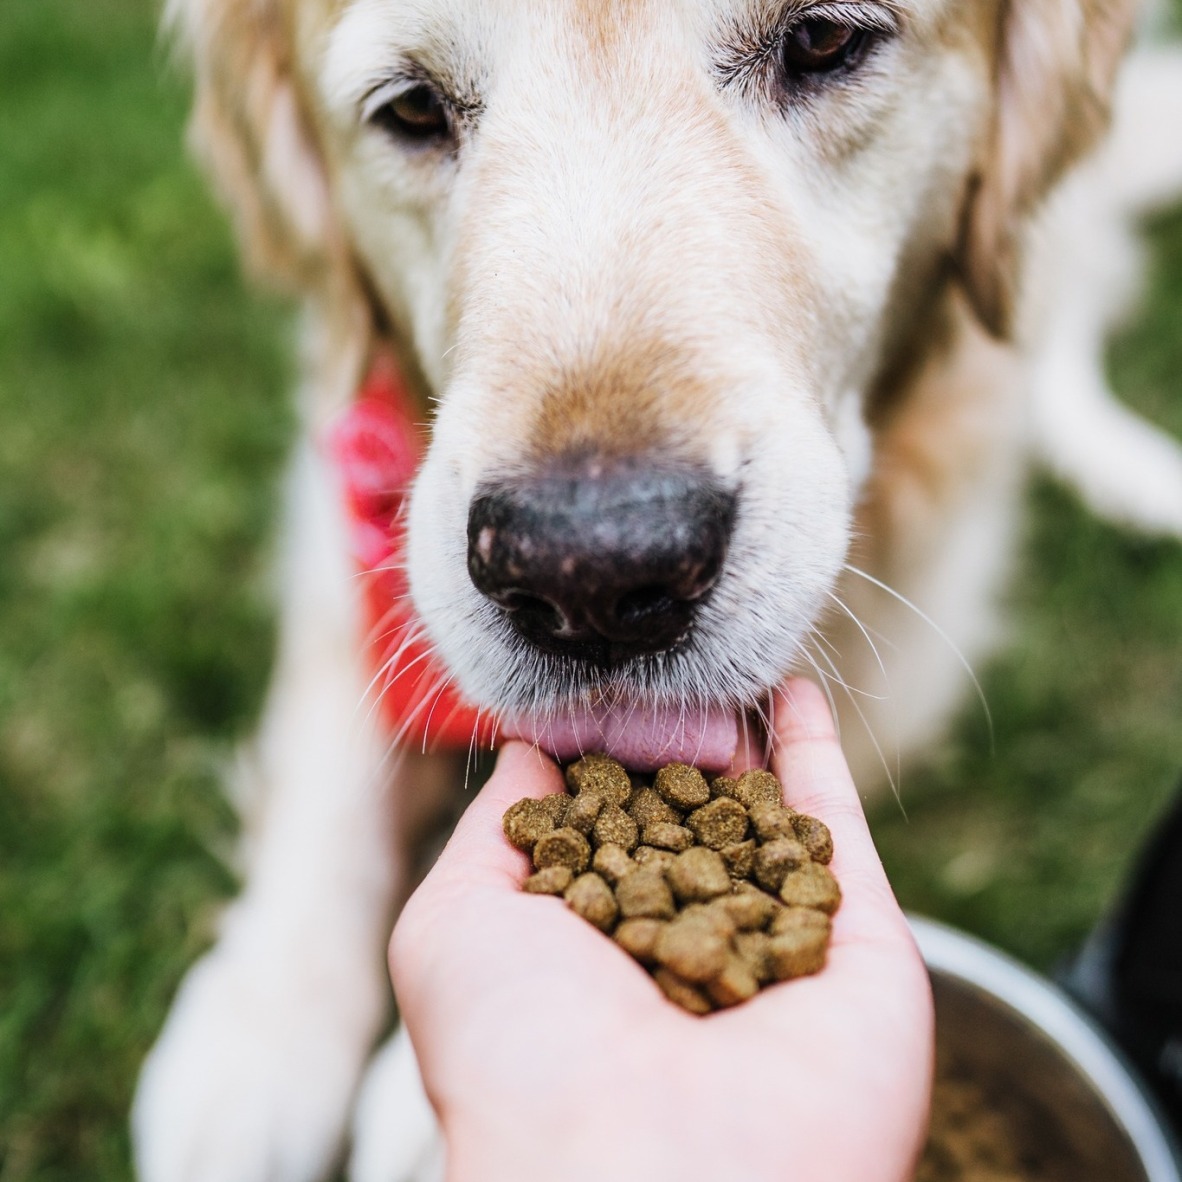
pixel 1065 1090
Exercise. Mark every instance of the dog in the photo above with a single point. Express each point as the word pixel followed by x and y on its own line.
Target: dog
pixel 738 324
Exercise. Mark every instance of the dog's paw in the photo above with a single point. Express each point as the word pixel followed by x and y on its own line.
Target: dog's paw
pixel 251 1078
pixel 395 1135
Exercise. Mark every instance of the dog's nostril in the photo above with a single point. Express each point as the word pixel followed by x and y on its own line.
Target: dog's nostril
pixel 643 603
pixel 534 612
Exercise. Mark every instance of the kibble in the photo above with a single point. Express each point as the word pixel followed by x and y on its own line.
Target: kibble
pixel 698 875
pixel 792 919
pixel 773 861
pixel 815 837
pixel 556 804
pixel 754 949
pixel 646 807
pixel 615 827
pixel 770 820
pixel 612 863
pixel 526 823
pixel 591 897
pixel 734 984
pixel 718 889
pixel 751 911
pixel 713 914
pixel 811 885
pixel 645 894
pixel 600 774
pixel 739 858
pixel 722 786
pixel 551 881
pixel 667 837
pixel 756 785
pixel 681 992
pixel 750 788
pixel 682 786
pixel 638 938
pixel 693 948
pixel 649 855
pixel 797 953
pixel 563 847
pixel 718 824
pixel 584 812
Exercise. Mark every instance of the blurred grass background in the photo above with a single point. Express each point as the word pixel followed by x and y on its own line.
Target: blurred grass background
pixel 143 424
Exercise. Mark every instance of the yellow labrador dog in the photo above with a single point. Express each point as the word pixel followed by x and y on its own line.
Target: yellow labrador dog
pixel 739 322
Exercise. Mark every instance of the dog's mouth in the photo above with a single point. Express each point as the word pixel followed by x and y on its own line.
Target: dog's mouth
pixel 641 737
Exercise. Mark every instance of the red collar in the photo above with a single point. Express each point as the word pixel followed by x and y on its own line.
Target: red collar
pixel 376 447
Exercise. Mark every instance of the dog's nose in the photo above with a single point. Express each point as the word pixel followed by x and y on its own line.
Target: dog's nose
pixel 602 561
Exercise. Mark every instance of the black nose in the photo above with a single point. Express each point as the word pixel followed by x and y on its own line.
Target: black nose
pixel 601 560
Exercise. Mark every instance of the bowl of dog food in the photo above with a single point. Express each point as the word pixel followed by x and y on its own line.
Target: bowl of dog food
pixel 1027 1088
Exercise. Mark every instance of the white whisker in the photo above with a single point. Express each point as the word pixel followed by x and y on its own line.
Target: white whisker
pixel 830 660
pixel 865 634
pixel 940 633
pixel 826 688
pixel 893 780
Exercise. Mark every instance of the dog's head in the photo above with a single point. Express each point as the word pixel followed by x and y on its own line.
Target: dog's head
pixel 650 259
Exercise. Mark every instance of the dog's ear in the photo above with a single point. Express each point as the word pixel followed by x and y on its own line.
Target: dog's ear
pixel 252 137
pixel 1056 65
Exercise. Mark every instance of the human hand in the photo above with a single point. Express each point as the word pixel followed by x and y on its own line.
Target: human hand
pixel 549 1053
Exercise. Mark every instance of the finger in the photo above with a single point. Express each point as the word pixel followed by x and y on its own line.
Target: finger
pixel 871 940
pixel 478 849
pixel 478 863
pixel 809 762
pixel 476 872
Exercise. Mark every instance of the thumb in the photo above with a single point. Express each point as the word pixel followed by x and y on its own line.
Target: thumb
pixel 478 852
pixel 476 862
pixel 809 763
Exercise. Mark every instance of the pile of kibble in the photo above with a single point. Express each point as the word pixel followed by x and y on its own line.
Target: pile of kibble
pixel 717 888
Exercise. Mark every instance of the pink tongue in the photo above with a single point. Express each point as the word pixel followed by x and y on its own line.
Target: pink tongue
pixel 642 740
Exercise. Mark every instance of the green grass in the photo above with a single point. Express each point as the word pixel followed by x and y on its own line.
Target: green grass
pixel 143 421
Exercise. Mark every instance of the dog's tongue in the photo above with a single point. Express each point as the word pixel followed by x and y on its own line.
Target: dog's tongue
pixel 641 739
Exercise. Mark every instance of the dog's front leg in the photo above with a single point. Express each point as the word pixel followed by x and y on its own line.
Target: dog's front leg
pixel 254 1073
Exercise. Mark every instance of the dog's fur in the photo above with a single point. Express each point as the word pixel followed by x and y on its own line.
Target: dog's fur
pixel 850 300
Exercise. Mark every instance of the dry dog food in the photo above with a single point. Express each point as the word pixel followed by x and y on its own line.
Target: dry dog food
pixel 717 887
pixel 984 1133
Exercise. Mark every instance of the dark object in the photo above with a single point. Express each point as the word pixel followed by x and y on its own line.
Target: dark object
pixel 1129 973
pixel 1066 1107
pixel 601 561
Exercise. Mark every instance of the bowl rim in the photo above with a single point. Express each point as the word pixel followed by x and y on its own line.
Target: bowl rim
pixel 953 953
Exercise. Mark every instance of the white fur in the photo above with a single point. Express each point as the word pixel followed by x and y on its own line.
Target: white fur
pixel 253 1073
pixel 395 1137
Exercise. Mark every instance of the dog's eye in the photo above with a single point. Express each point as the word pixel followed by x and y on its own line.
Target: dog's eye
pixel 818 46
pixel 418 113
